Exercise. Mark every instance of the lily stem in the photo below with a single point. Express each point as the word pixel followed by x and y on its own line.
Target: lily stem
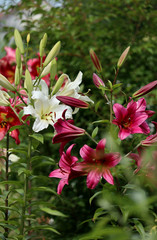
pixel 91 137
pixel 7 186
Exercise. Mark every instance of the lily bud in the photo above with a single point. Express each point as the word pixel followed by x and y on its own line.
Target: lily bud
pixel 28 38
pixel 97 81
pixel 123 57
pixel 41 49
pixel 17 76
pixel 146 89
pixel 53 69
pixel 52 54
pixel 44 40
pixel 3 98
pixel 18 41
pixel 18 58
pixel 59 83
pixel 95 60
pixel 73 102
pixel 46 70
pixel 28 82
pixel 6 84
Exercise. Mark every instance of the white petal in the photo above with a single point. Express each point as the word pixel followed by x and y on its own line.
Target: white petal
pixel 39 125
pixel 30 110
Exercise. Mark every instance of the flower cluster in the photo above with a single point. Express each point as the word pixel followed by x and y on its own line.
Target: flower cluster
pixel 46 100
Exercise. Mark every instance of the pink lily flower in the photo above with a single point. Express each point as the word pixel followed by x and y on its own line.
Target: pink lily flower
pixel 152 139
pixel 73 102
pixel 67 169
pixel 131 120
pixel 138 158
pixel 97 163
pixel 66 131
pixel 146 89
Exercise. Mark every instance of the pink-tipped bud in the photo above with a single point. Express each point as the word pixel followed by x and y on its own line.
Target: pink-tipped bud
pixel 123 57
pixel 95 60
pixel 146 89
pixel 72 102
pixel 97 81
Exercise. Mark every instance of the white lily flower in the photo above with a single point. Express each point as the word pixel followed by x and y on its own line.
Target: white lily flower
pixel 71 89
pixel 46 111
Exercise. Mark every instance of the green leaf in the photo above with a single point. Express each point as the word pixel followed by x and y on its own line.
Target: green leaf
pixel 101 121
pixel 38 137
pixel 95 131
pixel 44 227
pixel 15 127
pixel 43 189
pixel 52 212
pixel 117 85
pixel 96 194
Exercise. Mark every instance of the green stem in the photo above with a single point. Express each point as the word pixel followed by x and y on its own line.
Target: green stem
pixel 7 186
pixel 91 138
pixel 116 76
pixel 111 108
pixel 26 184
pixel 21 98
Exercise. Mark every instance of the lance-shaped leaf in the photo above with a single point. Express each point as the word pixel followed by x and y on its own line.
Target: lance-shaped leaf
pixel 73 102
pixel 123 57
pixel 52 54
pixel 18 41
pixel 6 84
pixel 146 89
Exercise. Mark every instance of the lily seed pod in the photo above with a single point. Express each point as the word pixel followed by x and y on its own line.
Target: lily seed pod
pixel 144 90
pixel 18 41
pixel 95 60
pixel 18 58
pixel 52 54
pixel 59 83
pixel 123 57
pixel 6 84
pixel 28 82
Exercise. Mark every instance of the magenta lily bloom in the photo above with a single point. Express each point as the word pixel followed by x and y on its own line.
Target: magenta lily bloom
pixel 66 131
pixel 97 163
pixel 152 139
pixel 67 169
pixel 132 119
pixel 73 102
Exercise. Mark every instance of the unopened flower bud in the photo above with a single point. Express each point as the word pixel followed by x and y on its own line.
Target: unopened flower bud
pixel 73 102
pixel 18 41
pixel 59 83
pixel 46 70
pixel 97 81
pixel 41 49
pixel 28 37
pixel 146 89
pixel 52 54
pixel 6 84
pixel 18 58
pixel 44 40
pixel 3 98
pixel 95 60
pixel 53 69
pixel 28 82
pixel 123 57
pixel 17 76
